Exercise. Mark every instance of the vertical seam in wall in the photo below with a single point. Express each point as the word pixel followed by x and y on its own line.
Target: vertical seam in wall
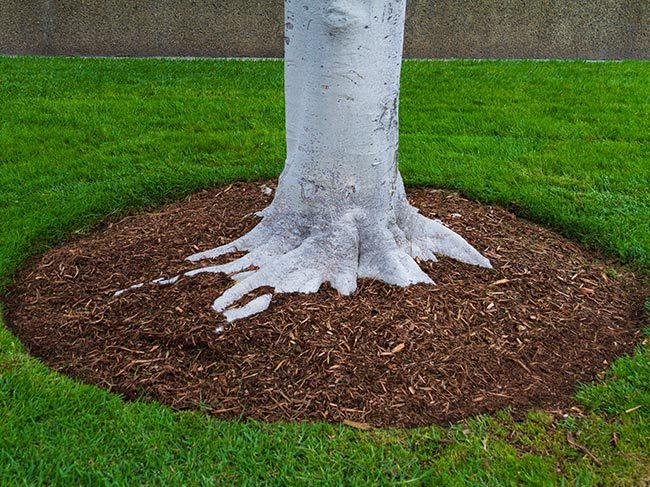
pixel 633 17
pixel 47 31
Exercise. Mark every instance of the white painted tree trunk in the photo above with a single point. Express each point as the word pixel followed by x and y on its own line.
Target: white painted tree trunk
pixel 340 211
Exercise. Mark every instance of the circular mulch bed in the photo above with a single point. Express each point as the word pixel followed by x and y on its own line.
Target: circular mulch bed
pixel 549 315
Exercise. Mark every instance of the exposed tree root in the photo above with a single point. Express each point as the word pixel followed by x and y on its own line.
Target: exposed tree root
pixel 291 257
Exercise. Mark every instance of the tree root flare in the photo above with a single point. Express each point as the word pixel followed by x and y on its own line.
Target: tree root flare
pixel 337 253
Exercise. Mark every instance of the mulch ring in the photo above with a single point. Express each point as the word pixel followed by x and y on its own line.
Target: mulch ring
pixel 549 315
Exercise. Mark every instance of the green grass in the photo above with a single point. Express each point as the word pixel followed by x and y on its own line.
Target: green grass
pixel 566 144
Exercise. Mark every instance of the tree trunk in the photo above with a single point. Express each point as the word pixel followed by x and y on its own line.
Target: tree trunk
pixel 340 211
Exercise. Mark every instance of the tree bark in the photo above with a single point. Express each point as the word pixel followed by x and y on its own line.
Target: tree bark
pixel 340 211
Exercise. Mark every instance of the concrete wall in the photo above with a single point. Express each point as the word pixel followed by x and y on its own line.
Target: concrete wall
pixel 596 29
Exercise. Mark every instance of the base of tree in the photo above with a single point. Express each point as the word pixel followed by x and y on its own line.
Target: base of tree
pixel 520 335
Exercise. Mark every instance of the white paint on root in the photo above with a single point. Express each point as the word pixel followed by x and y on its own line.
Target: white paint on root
pixel 254 307
pixel 339 253
pixel 122 291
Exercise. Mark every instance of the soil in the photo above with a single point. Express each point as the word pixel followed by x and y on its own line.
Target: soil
pixel 522 335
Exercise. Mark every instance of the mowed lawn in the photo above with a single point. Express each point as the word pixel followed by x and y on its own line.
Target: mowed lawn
pixel 566 144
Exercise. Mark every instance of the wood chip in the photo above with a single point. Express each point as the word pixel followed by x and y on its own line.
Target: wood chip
pixel 357 425
pixel 582 448
pixel 500 281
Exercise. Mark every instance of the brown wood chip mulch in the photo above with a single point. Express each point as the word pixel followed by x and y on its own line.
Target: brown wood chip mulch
pixel 548 316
